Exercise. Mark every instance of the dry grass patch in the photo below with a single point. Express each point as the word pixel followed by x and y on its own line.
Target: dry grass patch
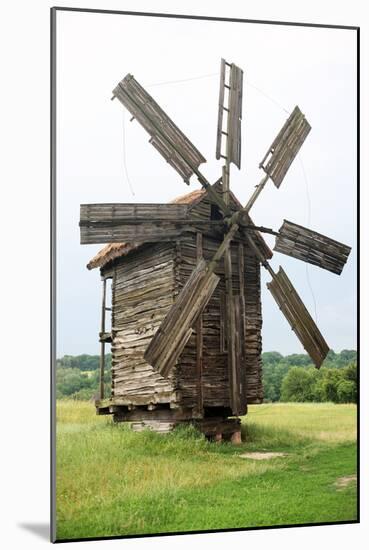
pixel 345 481
pixel 262 456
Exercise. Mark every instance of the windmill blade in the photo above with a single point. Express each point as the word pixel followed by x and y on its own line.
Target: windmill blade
pixel 285 147
pixel 166 137
pixel 176 328
pixel 299 318
pixel 109 223
pixel 312 247
pixel 234 113
pixel 116 223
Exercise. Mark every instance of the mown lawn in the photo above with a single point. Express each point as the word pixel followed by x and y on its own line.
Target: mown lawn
pixel 111 481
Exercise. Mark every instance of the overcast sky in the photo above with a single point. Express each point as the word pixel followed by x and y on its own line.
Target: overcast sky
pixel 283 66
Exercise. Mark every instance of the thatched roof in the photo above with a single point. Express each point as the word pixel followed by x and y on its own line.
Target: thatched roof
pixel 116 250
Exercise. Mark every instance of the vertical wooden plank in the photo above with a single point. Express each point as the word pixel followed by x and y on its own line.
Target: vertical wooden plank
pixel 223 322
pixel 199 339
pixel 220 110
pixel 242 321
pixel 102 344
pixel 231 327
pixel 241 270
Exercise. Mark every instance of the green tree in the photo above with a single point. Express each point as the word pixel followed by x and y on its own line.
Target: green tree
pixel 346 391
pixel 298 385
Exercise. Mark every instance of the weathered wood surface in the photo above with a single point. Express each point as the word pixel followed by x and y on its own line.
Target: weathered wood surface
pixel 218 149
pixel 176 329
pixel 233 113
pixel 312 247
pixel 233 373
pixel 116 223
pixel 241 324
pixel 102 223
pixel 285 147
pixel 298 317
pixel 215 370
pixel 146 283
pixel 234 116
pixel 136 402
pixel 102 341
pixel 166 137
pixel 199 338
pixel 142 295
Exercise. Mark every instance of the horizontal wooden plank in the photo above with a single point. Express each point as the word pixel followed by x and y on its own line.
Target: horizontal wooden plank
pixel 132 211
pixel 116 223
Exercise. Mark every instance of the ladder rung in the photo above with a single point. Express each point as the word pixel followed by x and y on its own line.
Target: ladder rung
pixel 225 109
pixel 226 86
pixel 224 133
pixel 223 157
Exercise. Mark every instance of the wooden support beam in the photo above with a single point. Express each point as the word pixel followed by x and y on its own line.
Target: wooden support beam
pixel 242 313
pixel 102 344
pixel 199 339
pixel 230 328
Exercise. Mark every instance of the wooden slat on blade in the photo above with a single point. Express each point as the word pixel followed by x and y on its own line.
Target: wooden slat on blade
pixel 298 317
pixel 312 247
pixel 235 115
pixel 220 110
pixel 166 137
pixel 174 331
pixel 285 147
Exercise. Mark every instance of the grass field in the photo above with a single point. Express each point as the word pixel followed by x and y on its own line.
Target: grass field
pixel 111 481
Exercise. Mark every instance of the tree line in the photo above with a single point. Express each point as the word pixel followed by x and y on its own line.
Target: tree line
pixel 78 376
pixel 294 378
pixel 285 378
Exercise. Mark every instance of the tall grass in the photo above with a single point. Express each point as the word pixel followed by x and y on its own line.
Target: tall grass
pixel 111 480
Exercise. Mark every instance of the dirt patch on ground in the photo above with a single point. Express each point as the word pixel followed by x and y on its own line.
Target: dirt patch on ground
pixel 343 482
pixel 262 456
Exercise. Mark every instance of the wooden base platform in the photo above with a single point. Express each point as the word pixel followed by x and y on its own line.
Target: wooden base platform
pixel 215 429
pixel 214 423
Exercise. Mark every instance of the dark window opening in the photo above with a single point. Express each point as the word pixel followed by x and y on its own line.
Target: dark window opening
pixel 215 213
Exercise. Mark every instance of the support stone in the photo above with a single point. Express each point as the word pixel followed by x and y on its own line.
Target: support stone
pixel 236 438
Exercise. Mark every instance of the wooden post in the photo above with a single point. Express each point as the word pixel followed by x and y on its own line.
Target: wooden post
pixel 241 277
pixel 236 438
pixel 231 322
pixel 102 344
pixel 199 338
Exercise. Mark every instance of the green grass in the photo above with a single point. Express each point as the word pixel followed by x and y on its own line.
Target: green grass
pixel 112 481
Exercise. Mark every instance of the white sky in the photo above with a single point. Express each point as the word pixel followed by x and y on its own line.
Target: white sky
pixel 314 68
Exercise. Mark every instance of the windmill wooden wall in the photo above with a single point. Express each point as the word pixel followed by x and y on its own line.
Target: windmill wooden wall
pixel 145 284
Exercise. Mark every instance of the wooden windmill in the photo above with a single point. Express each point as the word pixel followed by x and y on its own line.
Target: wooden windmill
pixel 168 223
